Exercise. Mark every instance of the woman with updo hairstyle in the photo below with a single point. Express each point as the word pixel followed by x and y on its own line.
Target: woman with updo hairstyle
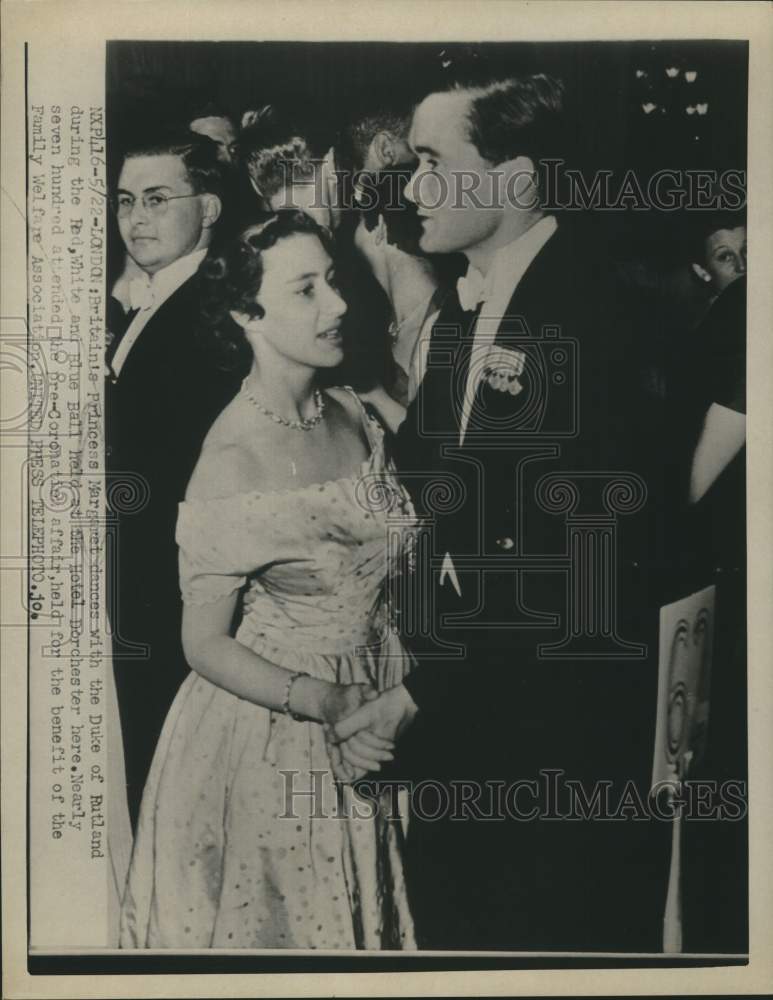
pixel 288 154
pixel 250 834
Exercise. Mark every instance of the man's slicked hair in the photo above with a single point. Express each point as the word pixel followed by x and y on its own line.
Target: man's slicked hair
pixel 198 153
pixel 516 116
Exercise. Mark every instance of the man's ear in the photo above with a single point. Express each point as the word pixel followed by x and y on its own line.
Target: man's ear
pixel 384 149
pixel 520 182
pixel 700 272
pixel 212 208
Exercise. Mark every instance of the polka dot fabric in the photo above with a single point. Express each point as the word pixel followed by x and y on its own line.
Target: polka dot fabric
pixel 244 839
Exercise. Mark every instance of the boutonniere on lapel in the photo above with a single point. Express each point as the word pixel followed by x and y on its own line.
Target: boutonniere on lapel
pixel 501 370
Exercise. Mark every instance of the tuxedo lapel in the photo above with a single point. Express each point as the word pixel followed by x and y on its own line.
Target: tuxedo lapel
pixel 159 341
pixel 432 418
pixel 448 365
pixel 509 382
pixel 544 276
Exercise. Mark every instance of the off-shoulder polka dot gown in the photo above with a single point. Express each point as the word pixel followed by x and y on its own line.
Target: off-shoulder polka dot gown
pixel 244 840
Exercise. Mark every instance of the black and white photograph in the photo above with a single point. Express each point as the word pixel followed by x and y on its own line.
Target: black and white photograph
pixel 385 468
pixel 558 463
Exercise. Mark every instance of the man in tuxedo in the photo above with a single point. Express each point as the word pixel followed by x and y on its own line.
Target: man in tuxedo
pixel 165 388
pixel 535 684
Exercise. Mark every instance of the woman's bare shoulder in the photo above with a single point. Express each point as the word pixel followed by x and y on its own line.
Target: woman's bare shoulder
pixel 228 464
pixel 221 471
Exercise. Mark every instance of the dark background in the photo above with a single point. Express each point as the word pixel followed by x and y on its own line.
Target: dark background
pixel 607 126
pixel 607 85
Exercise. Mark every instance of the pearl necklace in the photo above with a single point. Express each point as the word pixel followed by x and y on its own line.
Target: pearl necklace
pixel 306 424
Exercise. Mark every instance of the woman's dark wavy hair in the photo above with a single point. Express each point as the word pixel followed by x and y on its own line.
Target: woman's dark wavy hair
pixel 230 279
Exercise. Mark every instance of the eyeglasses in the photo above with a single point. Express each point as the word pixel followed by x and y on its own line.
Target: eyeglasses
pixel 155 203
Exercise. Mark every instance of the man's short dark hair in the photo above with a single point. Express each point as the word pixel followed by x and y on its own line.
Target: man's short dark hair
pixel 516 116
pixel 198 153
pixel 361 130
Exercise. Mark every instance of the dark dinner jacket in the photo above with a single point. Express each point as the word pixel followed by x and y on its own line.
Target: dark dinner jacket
pixel 158 411
pixel 538 472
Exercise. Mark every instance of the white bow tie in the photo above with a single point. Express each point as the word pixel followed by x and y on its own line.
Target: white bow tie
pixel 141 293
pixel 471 289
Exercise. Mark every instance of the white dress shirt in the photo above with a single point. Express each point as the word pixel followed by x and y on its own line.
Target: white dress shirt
pixel 149 294
pixel 507 268
pixel 494 291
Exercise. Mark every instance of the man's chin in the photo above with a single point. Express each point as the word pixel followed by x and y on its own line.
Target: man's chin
pixel 432 242
pixel 429 245
pixel 142 251
pixel 146 261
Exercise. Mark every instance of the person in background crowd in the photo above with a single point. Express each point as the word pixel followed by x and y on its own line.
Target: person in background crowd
pixel 377 140
pixel 387 236
pixel 164 390
pixel 710 393
pixel 718 254
pixel 211 120
pixel 290 162
pixel 206 118
pixel 279 498
pixel 719 260
pixel 708 434
pixel 374 149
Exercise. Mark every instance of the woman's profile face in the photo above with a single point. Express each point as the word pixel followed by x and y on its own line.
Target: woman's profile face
pixel 725 257
pixel 303 308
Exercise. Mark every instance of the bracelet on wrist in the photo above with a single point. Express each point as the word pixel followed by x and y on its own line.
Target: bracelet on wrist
pixel 286 700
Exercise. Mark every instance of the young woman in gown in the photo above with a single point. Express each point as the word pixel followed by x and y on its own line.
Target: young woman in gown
pixel 245 839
